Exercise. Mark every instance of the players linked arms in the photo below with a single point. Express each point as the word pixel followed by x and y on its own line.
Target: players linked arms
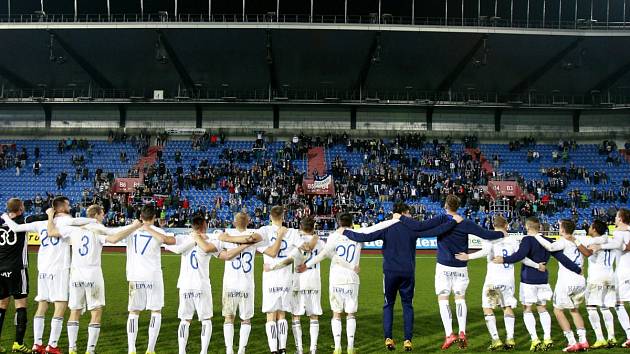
pixel 124 232
pixel 239 239
pixel 272 251
pixel 15 227
pixel 160 237
pixel 228 255
pixel 566 262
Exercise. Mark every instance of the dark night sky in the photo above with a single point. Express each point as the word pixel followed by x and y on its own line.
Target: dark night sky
pixel 424 8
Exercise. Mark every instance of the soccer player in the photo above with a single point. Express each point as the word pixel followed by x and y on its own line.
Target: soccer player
pixel 87 287
pixel 238 283
pixel 307 287
pixel 600 291
pixel 343 282
pixel 53 266
pixel 451 274
pixel 498 287
pixel 621 243
pixel 276 284
pixel 195 292
pixel 144 274
pixel 534 288
pixel 570 287
pixel 399 264
pixel 14 274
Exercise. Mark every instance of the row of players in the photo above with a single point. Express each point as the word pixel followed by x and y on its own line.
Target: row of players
pixel 78 277
pixel 70 275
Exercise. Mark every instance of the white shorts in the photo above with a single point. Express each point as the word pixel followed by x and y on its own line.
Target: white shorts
pixel 234 300
pixel 534 294
pixel 277 298
pixel 53 287
pixel 623 289
pixel 88 294
pixel 569 294
pixel 344 298
pixel 146 295
pixel 451 280
pixel 191 301
pixel 307 302
pixel 501 295
pixel 602 294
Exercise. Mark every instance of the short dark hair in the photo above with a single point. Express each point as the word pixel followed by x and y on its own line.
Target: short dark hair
pixel 276 212
pixel 197 222
pixel 567 225
pixel 401 208
pixel 345 219
pixel 452 202
pixel 600 227
pixel 59 201
pixel 624 215
pixel 307 224
pixel 148 213
pixel 14 205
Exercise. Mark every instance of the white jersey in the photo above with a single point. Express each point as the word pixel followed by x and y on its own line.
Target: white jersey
pixel 87 246
pixel 346 250
pixel 623 258
pixel 144 261
pixel 571 251
pixel 310 279
pixel 239 272
pixel 500 273
pixel 600 263
pixel 281 277
pixel 194 270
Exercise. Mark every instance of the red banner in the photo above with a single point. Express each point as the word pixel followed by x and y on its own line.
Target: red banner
pixel 322 186
pixel 126 185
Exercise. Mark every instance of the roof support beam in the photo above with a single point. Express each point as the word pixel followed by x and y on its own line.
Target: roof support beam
pixel 96 75
pixel 448 81
pixel 271 65
pixel 14 78
pixel 535 75
pixel 179 66
pixel 373 57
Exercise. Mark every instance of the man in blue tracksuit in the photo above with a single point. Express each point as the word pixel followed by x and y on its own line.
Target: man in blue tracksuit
pixel 399 264
pixel 451 274
pixel 534 288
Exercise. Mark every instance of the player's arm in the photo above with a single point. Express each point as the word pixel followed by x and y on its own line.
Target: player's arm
pixel 566 262
pixel 228 255
pixel 81 221
pixel 51 227
pixel 616 243
pixel 308 246
pixel 204 245
pixel 124 232
pixel 272 251
pixel 361 237
pixel 241 239
pixel 426 225
pixel 162 238
pixel 294 257
pixel 517 256
pixel 182 244
pixel 549 246
pixel 327 252
pixel 15 227
pixel 480 232
pixel 483 252
pixel 529 263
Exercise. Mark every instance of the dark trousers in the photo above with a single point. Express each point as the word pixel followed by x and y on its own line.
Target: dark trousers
pixel 394 283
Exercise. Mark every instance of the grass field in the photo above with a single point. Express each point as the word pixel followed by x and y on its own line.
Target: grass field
pixel 428 327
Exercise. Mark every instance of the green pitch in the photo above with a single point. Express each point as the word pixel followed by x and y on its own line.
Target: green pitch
pixel 428 327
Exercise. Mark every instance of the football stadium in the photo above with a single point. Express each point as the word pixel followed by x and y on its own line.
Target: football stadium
pixel 314 176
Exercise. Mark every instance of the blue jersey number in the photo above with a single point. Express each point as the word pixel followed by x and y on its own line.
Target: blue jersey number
pixel 83 250
pixel 243 261
pixel 577 259
pixel 283 248
pixel 505 254
pixel 607 258
pixel 194 262
pixel 311 256
pixel 347 252
pixel 135 242
pixel 48 241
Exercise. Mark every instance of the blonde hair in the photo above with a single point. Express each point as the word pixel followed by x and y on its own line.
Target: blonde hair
pixel 94 210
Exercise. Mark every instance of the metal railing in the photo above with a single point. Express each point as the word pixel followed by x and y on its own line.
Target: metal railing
pixel 322 95
pixel 370 19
